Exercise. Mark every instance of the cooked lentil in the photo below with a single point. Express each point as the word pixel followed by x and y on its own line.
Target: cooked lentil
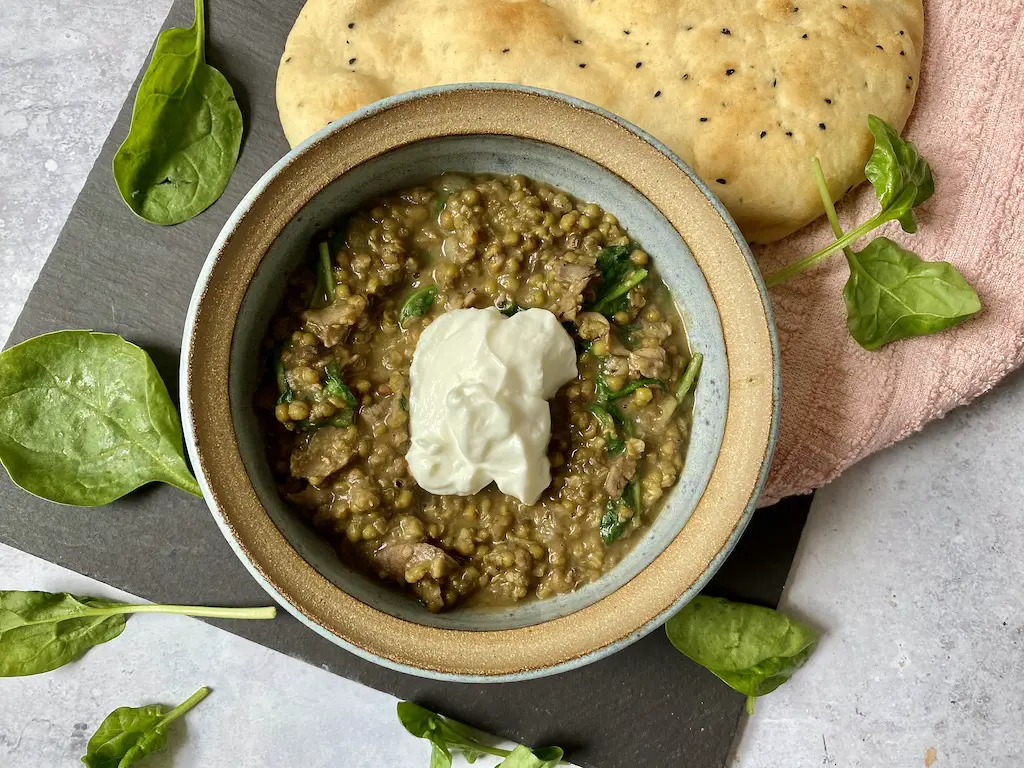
pixel 335 401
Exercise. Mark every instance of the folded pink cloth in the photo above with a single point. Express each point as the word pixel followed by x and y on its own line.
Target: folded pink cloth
pixel 839 402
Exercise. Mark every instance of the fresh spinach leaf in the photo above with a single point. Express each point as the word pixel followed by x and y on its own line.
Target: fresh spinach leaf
pixel 418 304
pixel 689 379
pixel 41 631
pixel 523 757
pixel 129 734
pixel 751 649
pixel 892 294
pixel 902 181
pixel 447 736
pixel 185 133
pixel 618 277
pixel 85 418
pixel 894 168
pixel 326 288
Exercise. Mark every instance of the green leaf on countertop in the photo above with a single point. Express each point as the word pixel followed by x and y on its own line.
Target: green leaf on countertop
pixel 85 418
pixel 41 631
pixel 129 734
pixel 185 133
pixel 892 294
pixel 752 649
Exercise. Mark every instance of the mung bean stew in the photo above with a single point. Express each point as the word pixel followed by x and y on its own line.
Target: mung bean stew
pixel 335 399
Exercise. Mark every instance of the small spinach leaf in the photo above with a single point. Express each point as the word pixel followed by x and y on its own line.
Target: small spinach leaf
pixel 510 308
pixel 41 631
pixel 892 294
pixel 896 167
pixel 185 133
pixel 335 388
pixel 618 277
pixel 752 649
pixel 85 418
pixel 128 734
pixel 613 522
pixel 418 304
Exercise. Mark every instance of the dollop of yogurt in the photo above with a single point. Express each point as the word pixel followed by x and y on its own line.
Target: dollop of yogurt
pixel 478 406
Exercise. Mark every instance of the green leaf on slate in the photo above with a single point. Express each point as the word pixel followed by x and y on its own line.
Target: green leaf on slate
pixel 185 133
pixel 752 649
pixel 85 418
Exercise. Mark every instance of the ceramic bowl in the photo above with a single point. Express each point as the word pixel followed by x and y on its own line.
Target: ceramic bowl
pixel 593 155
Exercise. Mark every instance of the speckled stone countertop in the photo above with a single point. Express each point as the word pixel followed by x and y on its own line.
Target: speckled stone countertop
pixel 911 563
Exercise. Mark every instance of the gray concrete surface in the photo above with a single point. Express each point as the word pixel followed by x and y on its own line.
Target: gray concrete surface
pixel 911 563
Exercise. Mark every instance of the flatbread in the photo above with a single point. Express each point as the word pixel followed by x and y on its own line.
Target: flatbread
pixel 745 91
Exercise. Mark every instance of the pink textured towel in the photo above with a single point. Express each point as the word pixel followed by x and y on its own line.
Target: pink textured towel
pixel 839 402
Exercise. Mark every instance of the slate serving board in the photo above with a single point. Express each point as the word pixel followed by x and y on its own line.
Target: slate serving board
pixel 109 271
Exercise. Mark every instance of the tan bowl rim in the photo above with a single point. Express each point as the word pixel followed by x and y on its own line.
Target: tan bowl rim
pixel 665 584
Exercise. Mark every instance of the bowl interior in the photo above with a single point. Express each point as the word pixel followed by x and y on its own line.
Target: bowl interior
pixel 414 163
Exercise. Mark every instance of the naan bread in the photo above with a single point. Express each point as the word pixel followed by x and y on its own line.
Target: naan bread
pixel 745 91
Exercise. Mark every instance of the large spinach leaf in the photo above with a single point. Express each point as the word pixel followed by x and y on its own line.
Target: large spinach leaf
pixel 41 631
pixel 892 294
pixel 85 418
pixel 185 133
pixel 752 649
pixel 128 734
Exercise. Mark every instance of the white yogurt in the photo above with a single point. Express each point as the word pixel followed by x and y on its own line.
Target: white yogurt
pixel 478 407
